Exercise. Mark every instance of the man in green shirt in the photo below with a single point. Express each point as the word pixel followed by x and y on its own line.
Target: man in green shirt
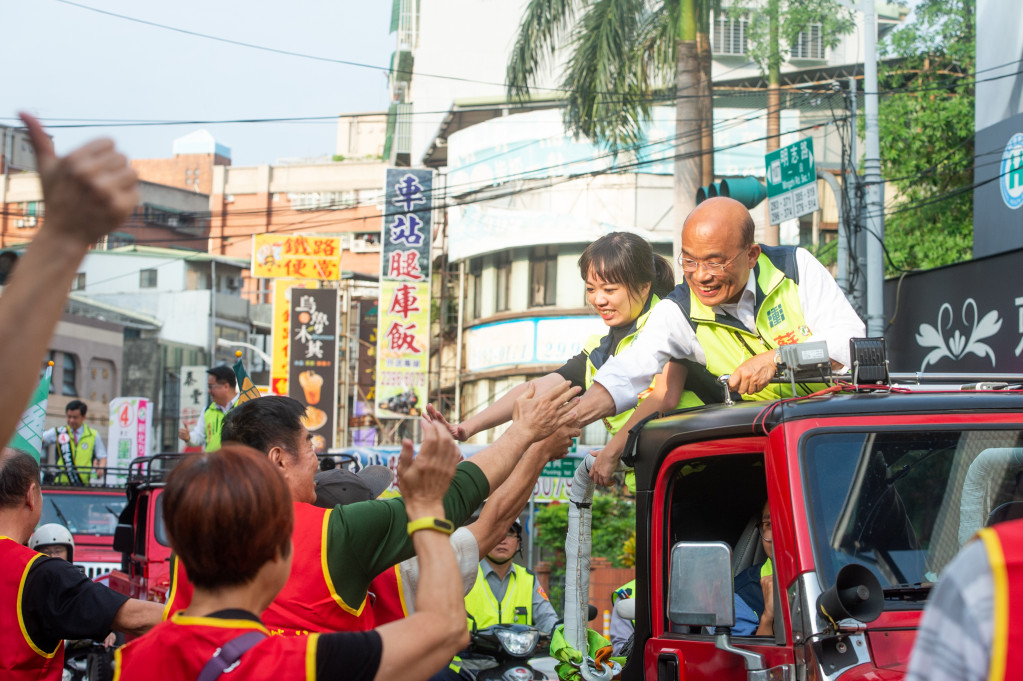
pixel 363 539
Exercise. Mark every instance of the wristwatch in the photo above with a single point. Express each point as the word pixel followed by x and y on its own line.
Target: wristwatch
pixel 430 523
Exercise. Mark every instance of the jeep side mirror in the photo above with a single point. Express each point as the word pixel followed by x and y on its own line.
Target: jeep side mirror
pixel 700 591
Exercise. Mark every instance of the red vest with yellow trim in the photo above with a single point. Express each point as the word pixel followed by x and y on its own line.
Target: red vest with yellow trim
pixel 389 597
pixel 181 590
pixel 1004 544
pixel 181 647
pixel 309 601
pixel 21 658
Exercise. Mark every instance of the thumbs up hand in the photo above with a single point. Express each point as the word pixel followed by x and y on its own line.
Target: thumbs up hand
pixel 88 193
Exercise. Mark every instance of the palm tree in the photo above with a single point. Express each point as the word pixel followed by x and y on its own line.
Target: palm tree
pixel 625 55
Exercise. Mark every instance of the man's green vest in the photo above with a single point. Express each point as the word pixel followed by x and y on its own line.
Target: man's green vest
pixel 214 420
pixel 81 453
pixel 598 350
pixel 516 608
pixel 778 315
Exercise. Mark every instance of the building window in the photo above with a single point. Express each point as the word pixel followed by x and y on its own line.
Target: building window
pixel 730 34
pixel 502 263
pixel 79 283
pixel 543 276
pixel 809 44
pixel 70 374
pixel 476 287
pixel 147 278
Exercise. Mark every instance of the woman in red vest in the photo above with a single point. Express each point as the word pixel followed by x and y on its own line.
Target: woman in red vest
pixel 229 518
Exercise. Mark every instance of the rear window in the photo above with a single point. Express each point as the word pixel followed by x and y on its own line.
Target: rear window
pixel 83 513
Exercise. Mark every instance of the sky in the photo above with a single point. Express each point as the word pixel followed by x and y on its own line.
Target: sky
pixel 66 62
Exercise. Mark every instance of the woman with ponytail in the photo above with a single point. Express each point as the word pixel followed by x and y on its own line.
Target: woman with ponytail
pixel 624 280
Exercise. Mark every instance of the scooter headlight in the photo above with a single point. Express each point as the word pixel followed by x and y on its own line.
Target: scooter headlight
pixel 518 643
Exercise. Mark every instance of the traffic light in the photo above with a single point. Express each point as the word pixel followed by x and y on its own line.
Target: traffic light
pixel 708 192
pixel 748 191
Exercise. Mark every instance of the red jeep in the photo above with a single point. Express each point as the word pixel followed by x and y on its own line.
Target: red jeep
pixel 871 494
pixel 90 514
pixel 140 537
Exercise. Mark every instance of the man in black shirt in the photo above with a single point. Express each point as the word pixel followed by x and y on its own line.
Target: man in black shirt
pixel 46 600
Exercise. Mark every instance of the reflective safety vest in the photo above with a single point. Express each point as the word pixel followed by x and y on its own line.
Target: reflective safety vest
pixel 20 657
pixel 778 316
pixel 308 602
pixel 1004 545
pixel 626 590
pixel 388 596
pixel 516 608
pixel 180 648
pixel 213 418
pixel 598 350
pixel 82 454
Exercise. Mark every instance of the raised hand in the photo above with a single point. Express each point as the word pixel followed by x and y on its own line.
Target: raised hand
pixel 424 478
pixel 88 193
pixel 541 415
pixel 457 430
pixel 557 444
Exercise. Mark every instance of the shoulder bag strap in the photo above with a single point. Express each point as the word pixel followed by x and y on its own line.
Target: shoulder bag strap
pixel 229 654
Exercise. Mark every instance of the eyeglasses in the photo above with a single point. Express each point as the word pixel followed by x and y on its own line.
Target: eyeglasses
pixel 764 527
pixel 714 268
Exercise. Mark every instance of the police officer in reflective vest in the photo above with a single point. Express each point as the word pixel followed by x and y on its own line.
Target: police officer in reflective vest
pixel 506 593
pixel 80 450
pixel 223 388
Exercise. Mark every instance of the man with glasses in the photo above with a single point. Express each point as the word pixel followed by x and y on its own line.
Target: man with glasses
pixel 223 387
pixel 738 303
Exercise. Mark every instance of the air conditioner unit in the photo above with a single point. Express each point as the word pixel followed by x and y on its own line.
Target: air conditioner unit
pixel 24 223
pixel 235 283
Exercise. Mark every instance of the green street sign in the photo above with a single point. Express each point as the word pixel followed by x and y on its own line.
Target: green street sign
pixel 562 468
pixel 791 181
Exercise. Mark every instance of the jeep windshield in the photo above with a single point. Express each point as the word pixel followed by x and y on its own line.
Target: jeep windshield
pixel 902 502
pixel 83 512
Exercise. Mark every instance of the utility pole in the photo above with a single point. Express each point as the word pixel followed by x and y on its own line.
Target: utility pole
pixel 872 178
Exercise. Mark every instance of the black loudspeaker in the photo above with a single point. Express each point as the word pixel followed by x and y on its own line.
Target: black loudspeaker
pixel 856 593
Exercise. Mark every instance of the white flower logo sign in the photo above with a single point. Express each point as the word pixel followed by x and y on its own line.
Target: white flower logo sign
pixel 957 345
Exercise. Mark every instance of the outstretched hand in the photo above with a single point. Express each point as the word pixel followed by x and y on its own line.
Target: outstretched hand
pixel 557 444
pixel 424 478
pixel 457 430
pixel 88 193
pixel 605 465
pixel 541 415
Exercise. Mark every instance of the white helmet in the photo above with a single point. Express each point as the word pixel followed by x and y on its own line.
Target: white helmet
pixel 53 533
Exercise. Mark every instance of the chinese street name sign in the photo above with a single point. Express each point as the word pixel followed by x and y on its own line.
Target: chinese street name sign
pixel 299 256
pixel 312 362
pixel 791 181
pixel 404 311
pixel 192 396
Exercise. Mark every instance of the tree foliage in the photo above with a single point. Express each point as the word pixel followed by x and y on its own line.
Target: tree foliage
pixel 793 17
pixel 926 129
pixel 614 523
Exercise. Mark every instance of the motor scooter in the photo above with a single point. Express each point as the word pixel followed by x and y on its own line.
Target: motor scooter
pixel 87 660
pixel 503 652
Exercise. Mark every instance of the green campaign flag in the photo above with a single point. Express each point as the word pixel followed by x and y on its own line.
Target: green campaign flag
pixel 246 390
pixel 28 436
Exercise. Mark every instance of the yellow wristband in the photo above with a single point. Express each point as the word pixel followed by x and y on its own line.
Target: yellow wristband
pixel 430 523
